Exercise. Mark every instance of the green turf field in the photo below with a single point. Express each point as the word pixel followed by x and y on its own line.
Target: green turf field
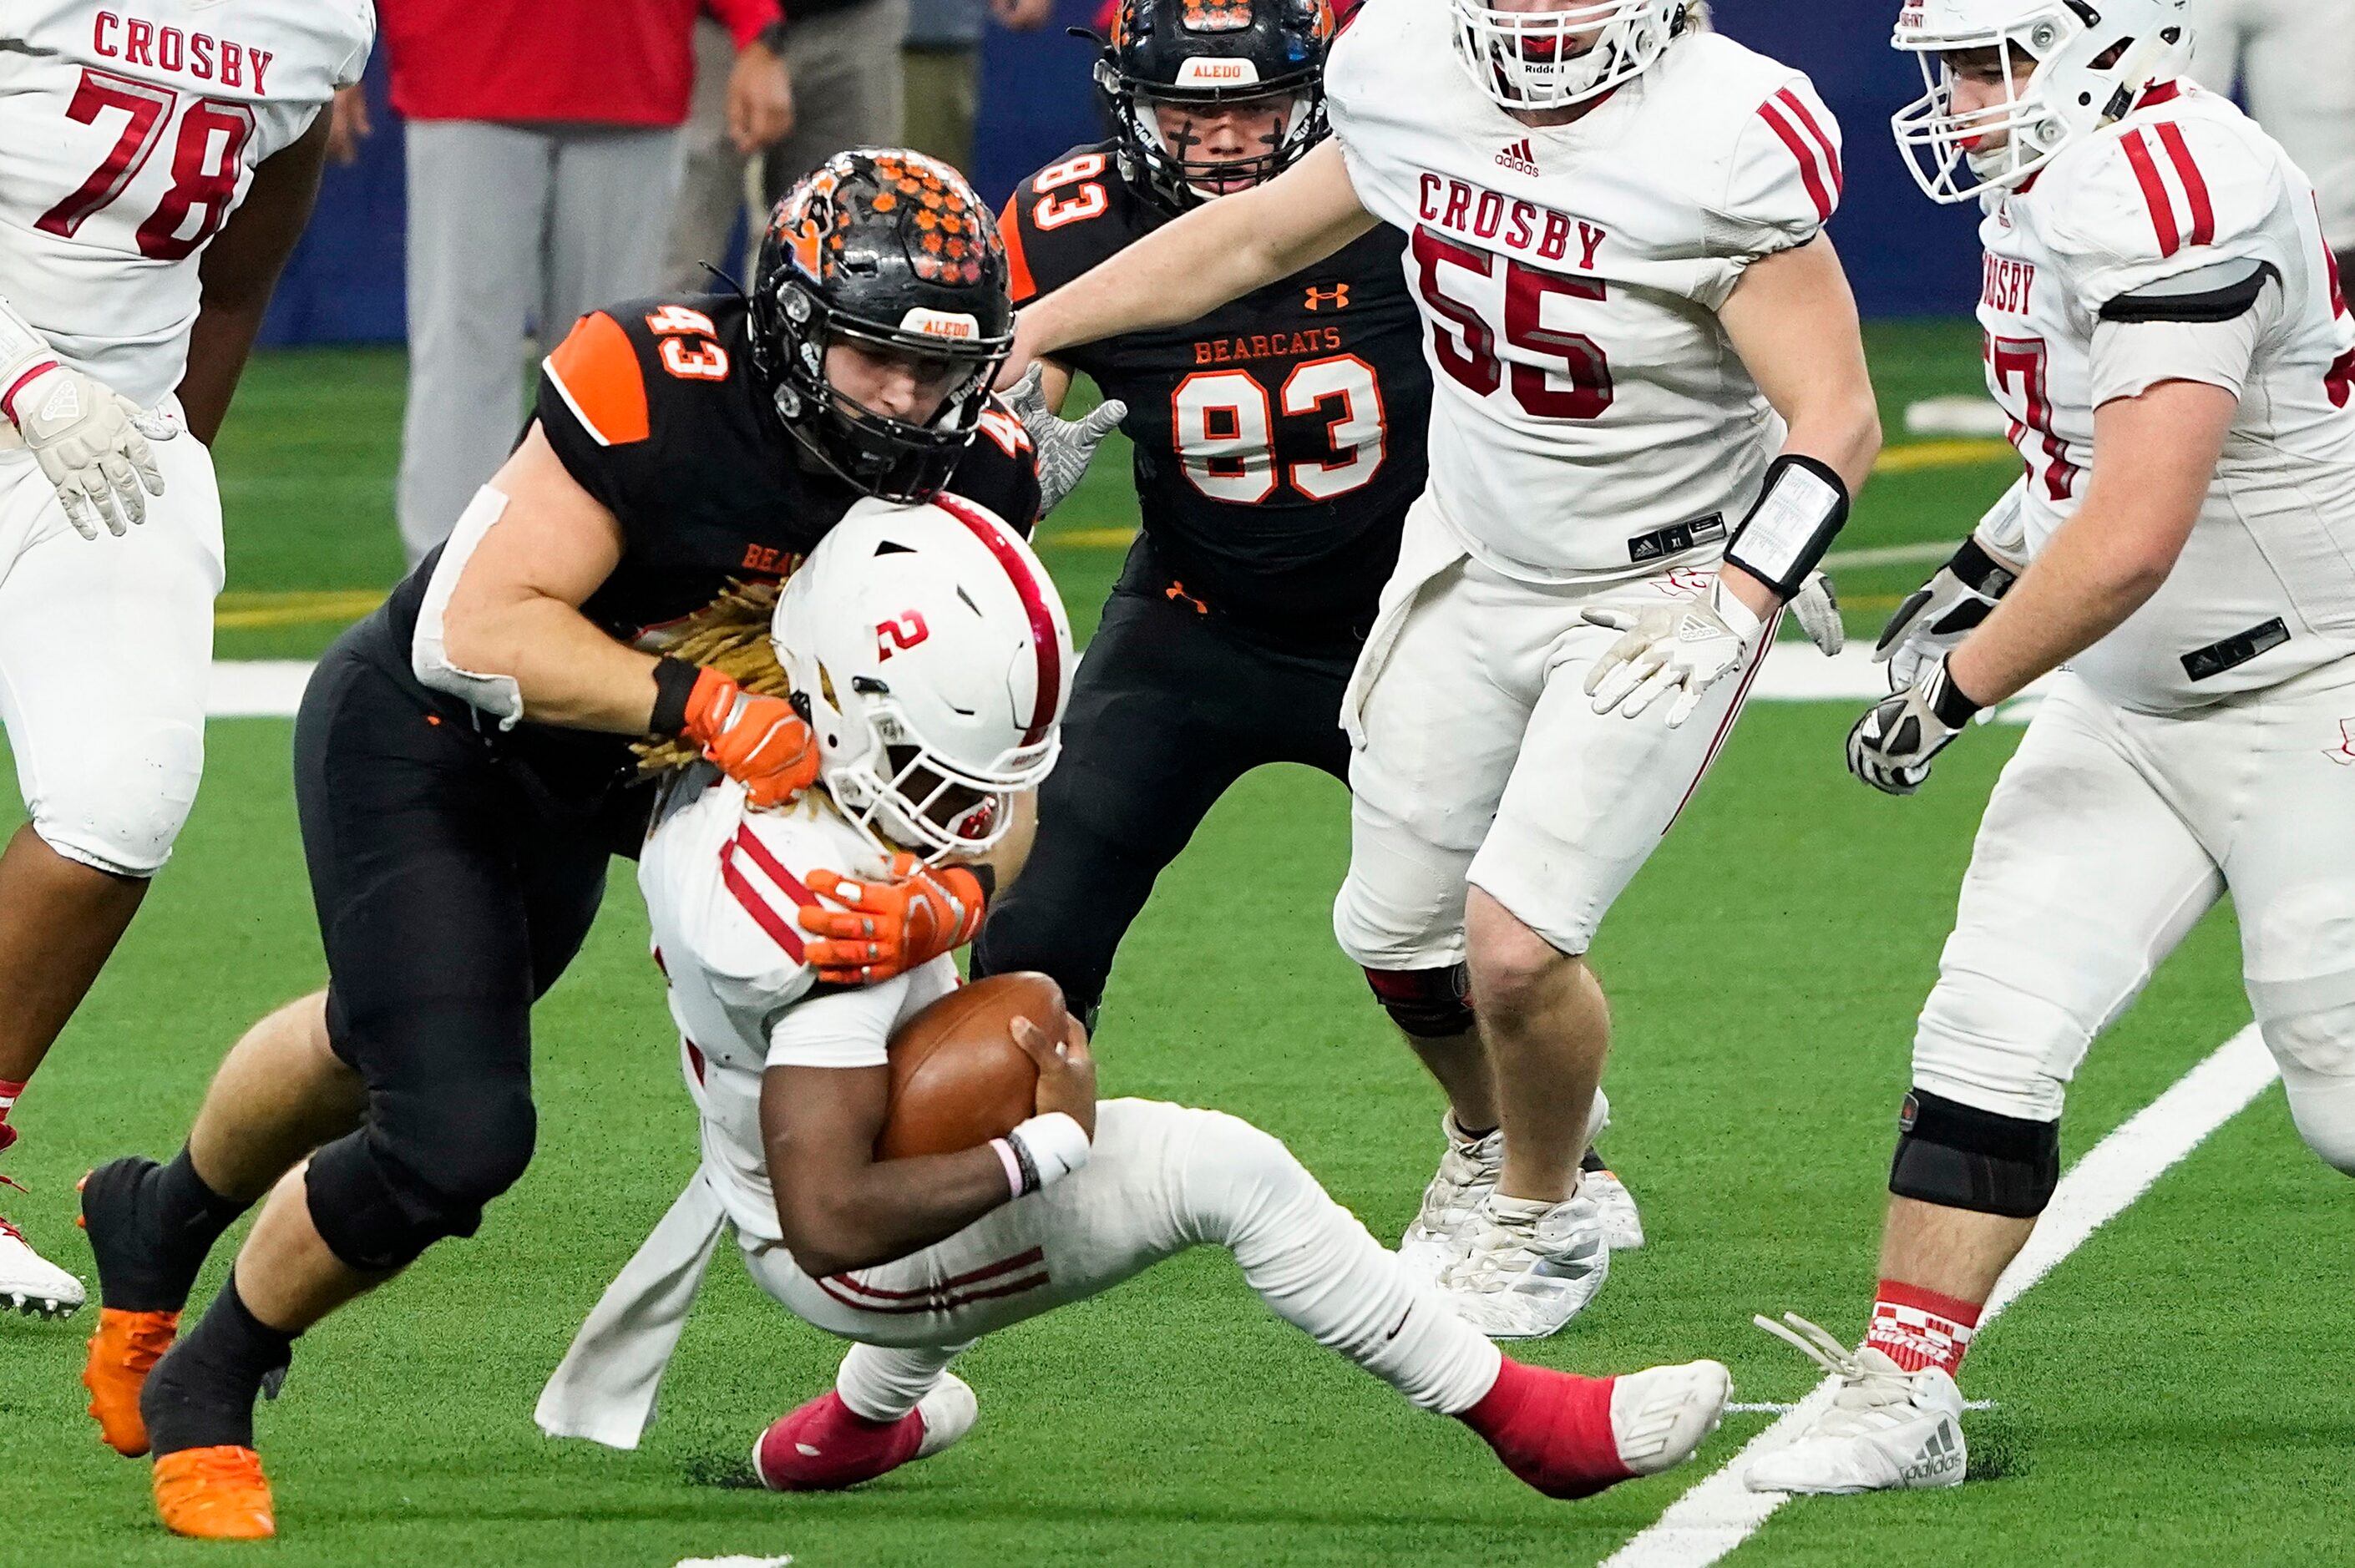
pixel 2173 1393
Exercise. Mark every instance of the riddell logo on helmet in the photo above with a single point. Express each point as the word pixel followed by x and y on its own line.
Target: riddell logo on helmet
pixel 939 324
pixel 1519 157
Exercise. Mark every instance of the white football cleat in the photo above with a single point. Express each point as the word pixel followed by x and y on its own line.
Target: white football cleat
pixel 949 1411
pixel 1623 1227
pixel 1467 1174
pixel 1886 1430
pixel 1659 1417
pixel 1528 1267
pixel 30 1283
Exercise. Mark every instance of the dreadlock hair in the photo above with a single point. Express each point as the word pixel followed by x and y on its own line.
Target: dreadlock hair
pixel 730 635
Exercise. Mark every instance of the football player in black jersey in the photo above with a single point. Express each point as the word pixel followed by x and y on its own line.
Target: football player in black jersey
pixel 1279 442
pixel 463 769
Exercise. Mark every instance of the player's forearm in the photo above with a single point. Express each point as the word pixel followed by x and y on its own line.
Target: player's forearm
pixel 1220 251
pixel 888 1209
pixel 569 673
pixel 2155 456
pixel 218 347
pixel 2082 588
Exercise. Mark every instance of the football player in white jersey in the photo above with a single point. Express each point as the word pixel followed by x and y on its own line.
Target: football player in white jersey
pixel 2165 329
pixel 161 157
pixel 927 744
pixel 1652 408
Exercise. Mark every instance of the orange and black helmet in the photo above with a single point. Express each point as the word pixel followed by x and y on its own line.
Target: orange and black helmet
pixel 890 250
pixel 1205 53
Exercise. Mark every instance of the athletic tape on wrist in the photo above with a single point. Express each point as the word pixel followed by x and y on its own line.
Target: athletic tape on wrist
pixel 1048 1148
pixel 1801 509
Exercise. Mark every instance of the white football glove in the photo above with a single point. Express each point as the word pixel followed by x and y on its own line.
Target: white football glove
pixel 1066 447
pixel 1891 746
pixel 83 436
pixel 1817 611
pixel 1685 646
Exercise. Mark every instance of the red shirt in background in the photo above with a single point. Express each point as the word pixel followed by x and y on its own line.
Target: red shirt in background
pixel 600 62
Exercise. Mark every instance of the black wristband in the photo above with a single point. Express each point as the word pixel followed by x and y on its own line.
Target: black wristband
pixel 1951 703
pixel 982 872
pixel 673 685
pixel 1980 572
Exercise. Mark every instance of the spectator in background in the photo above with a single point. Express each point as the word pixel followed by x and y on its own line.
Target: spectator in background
pixel 940 64
pixel 843 56
pixel 2291 63
pixel 543 159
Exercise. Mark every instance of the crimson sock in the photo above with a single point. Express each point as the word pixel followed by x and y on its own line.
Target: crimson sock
pixel 8 1092
pixel 1552 1429
pixel 1917 1328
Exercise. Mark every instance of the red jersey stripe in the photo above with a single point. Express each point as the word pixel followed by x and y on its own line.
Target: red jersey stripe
pixel 1810 169
pixel 780 930
pixel 764 857
pixel 1034 605
pixel 2195 185
pixel 1806 118
pixel 2155 192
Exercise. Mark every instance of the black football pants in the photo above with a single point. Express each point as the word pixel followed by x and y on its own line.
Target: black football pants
pixel 449 901
pixel 1171 706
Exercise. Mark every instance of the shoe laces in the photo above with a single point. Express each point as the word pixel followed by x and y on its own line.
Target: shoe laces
pixel 146 1337
pixel 1505 1247
pixel 1867 1392
pixel 225 1467
pixel 1467 1167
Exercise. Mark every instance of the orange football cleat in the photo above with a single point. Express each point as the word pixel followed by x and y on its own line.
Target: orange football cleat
pixel 124 1350
pixel 215 1494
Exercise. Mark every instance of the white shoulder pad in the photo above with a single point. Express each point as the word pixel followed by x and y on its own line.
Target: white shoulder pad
pixel 362 27
pixel 1781 162
pixel 2160 198
pixel 723 883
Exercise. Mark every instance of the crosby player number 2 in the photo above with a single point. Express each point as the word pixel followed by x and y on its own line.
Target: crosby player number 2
pixel 208 161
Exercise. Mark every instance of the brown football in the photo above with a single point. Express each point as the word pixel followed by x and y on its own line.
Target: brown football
pixel 957 1078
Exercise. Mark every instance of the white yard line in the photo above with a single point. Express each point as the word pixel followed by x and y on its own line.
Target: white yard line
pixel 1719 1513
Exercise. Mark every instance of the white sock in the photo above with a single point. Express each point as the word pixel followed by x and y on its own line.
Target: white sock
pixel 885 1385
pixel 1316 1267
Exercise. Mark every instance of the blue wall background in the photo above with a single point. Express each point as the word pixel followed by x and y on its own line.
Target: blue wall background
pixel 1907 257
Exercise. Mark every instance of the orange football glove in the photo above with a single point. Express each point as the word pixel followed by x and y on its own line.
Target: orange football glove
pixel 891 926
pixel 760 742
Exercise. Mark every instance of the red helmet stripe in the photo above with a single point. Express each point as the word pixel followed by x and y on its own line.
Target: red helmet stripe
pixel 1034 604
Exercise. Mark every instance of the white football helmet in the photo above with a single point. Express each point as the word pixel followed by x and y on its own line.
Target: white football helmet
pixel 1554 59
pixel 2093 59
pixel 929 651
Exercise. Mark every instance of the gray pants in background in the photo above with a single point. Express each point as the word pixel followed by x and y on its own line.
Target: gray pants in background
pixel 510 224
pixel 848 92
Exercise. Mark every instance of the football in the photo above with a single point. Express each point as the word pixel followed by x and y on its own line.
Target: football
pixel 957 1078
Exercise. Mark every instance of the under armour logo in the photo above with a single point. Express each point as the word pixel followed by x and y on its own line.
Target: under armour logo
pixel 1519 157
pixel 1337 297
pixel 2343 752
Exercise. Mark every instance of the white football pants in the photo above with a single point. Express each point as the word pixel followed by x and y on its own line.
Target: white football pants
pixel 105 658
pixel 1162 1178
pixel 1479 759
pixel 2109 835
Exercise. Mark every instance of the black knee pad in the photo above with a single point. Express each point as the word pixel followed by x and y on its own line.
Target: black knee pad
pixel 1960 1157
pixel 1428 1004
pixel 383 1194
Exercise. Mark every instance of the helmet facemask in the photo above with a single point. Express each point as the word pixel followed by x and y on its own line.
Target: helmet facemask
pixel 1560 58
pixel 1173 170
pixel 903 794
pixel 891 459
pixel 2084 71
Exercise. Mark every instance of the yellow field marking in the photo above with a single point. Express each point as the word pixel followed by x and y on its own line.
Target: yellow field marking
pixel 1090 538
pixel 248 611
pixel 1917 455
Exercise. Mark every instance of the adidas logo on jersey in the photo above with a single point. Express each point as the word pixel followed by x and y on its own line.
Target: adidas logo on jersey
pixel 1520 158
